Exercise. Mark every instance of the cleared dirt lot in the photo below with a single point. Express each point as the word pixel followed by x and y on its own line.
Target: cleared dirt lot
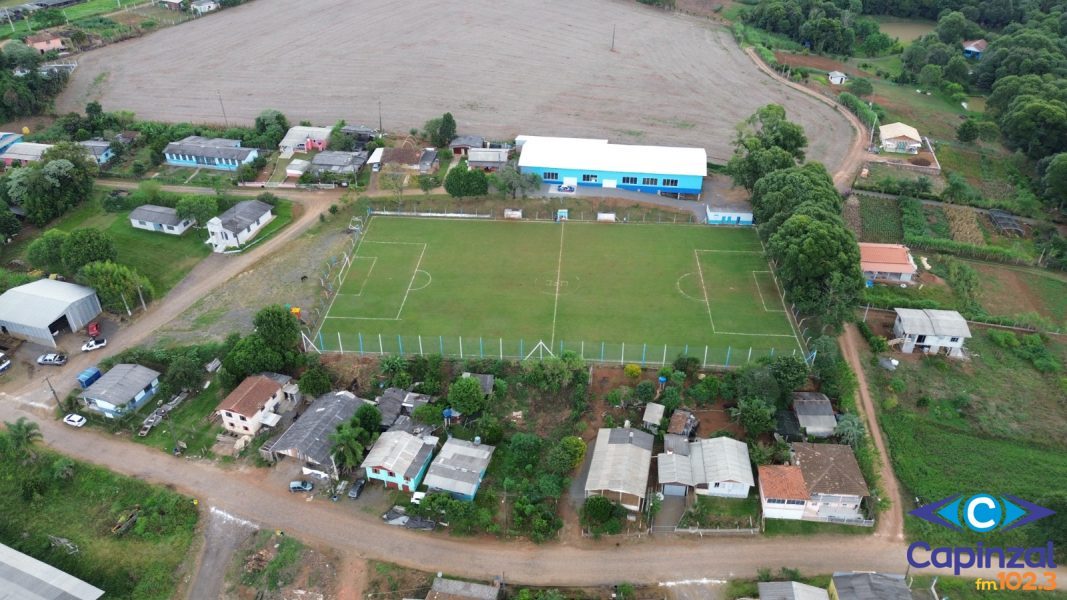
pixel 502 68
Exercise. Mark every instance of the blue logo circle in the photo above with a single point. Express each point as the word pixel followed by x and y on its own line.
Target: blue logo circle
pixel 982 512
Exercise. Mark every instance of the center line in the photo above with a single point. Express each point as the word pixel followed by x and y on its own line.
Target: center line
pixel 559 272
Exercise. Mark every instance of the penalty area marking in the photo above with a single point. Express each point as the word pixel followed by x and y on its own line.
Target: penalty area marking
pixel 429 280
pixel 412 282
pixel 760 292
pixel 366 278
pixel 678 285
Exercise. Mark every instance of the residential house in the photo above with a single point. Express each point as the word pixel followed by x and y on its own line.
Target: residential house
pixel 486 381
pixel 23 577
pixel 308 438
pixel 399 460
pixel 452 589
pixel 782 492
pixel 99 149
pixel 209 153
pixel 202 7
pixel 790 590
pixel 712 467
pixel 122 390
pixel 619 468
pixel 837 77
pixel 395 403
pixel 238 224
pixel 868 586
pixel 8 139
pixel 44 42
pixel 653 415
pixel 890 263
pixel 304 139
pixel 23 152
pixel 340 163
pixel 898 137
pixel 405 158
pixel 127 138
pixel 488 159
pixel 428 162
pixel 461 145
pixel 159 218
pixel 814 413
pixel 833 481
pixel 930 331
pixel 459 468
pixel 361 133
pixel 170 4
pixel 297 167
pixel 683 423
pixel 251 406
pixel 974 48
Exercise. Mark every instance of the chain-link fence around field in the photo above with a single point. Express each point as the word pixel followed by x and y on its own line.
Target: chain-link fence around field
pixel 452 346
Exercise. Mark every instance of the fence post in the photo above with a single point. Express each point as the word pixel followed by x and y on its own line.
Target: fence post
pixel 749 355
pixel 461 346
pixel 705 365
pixel 601 351
pixel 441 342
pixel 420 345
pixel 360 343
pixel 522 348
pixel 728 350
pixel 381 348
pixel 582 351
pixel 622 354
pixel 321 343
pixel 644 349
pixel 339 344
pixel 686 351
pixel 481 348
pixel 561 347
pixel 772 352
pixel 400 345
pixel 501 348
pixel 664 363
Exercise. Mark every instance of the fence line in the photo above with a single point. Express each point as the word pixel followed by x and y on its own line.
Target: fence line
pixel 549 216
pixel 1019 327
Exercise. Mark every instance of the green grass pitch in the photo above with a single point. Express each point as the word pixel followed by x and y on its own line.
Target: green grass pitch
pixel 630 293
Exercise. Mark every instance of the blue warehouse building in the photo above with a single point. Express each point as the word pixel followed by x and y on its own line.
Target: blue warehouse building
pixel 597 163
pixel 208 153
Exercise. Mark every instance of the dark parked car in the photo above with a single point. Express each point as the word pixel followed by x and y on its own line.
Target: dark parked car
pixel 357 488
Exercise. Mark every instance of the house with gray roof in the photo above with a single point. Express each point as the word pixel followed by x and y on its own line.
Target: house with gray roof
pixel 120 391
pixel 208 153
pixel 488 159
pixel 99 149
pixel 238 225
pixel 453 589
pixel 339 163
pixel 40 310
pixel 23 577
pixel 159 218
pixel 399 460
pixel 619 468
pixel 833 480
pixel 930 331
pixel 428 161
pixel 711 467
pixel 308 438
pixel 790 590
pixel 868 586
pixel 461 144
pixel 459 468
pixel 814 413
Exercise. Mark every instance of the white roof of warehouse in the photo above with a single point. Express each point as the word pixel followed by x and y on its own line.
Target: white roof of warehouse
pixel 26 151
pixel 621 460
pixel 599 155
pixel 710 460
pixel 40 303
pixel 26 578
pixel 301 133
pixel 928 321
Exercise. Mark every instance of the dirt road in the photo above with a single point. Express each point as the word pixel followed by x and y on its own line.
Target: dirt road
pixel 890 522
pixel 857 150
pixel 223 535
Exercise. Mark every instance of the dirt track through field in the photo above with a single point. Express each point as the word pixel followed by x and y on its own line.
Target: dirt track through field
pixel 502 68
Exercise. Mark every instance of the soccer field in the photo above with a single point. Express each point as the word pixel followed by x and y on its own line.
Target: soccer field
pixel 618 293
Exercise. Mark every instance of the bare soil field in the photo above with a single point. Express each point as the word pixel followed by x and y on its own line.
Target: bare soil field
pixel 502 68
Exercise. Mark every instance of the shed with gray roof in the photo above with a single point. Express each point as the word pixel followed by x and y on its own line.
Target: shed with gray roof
pixel 459 468
pixel 453 589
pixel 712 467
pixel 341 163
pixel 869 586
pixel 238 224
pixel 619 468
pixel 120 391
pixel 930 331
pixel 790 590
pixel 814 413
pixel 23 577
pixel 40 310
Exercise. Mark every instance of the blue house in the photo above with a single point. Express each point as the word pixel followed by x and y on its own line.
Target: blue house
pixel 100 149
pixel 120 391
pixel 459 468
pixel 597 163
pixel 974 48
pixel 399 459
pixel 8 139
pixel 209 153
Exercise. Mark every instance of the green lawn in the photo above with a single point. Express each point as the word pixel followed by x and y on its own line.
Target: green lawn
pixel 1043 292
pixel 189 424
pixel 597 289
pixel 789 527
pixel 283 215
pixel 196 177
pixel 145 563
pixel 91 8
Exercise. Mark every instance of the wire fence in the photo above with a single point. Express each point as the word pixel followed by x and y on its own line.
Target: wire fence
pixel 478 347
pixel 331 275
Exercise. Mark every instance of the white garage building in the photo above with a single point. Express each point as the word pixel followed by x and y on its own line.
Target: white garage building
pixel 41 310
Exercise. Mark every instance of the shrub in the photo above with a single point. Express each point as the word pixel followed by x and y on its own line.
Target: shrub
pixel 898 385
pixel 632 371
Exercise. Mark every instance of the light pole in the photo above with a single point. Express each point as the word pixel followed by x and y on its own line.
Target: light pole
pixel 54 394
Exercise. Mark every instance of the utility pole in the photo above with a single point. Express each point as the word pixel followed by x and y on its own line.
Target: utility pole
pixel 612 38
pixel 223 106
pixel 54 394
pixel 143 307
pixel 380 129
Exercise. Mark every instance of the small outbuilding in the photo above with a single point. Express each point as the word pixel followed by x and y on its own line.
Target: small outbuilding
pixel 868 585
pixel 459 468
pixel 428 161
pixel 653 415
pixel 202 7
pixel 453 589
pixel 814 413
pixel 99 149
pixel 790 590
pixel 891 263
pixel 461 145
pixel 837 77
pixel 341 163
pixel 120 391
pixel 159 218
pixel 974 48
pixel 41 310
pixel 488 159
pixel 930 331
pixel 297 167
pixel 901 138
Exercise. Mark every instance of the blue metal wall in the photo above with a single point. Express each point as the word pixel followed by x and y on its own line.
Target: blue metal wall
pixel 222 164
pixel 687 184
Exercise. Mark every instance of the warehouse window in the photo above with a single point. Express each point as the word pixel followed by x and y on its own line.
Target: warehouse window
pixel 588 178
pixel 550 176
pixel 649 181
pixel 629 180
pixel 670 182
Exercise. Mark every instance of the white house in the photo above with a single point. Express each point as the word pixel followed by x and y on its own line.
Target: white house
pixel 251 406
pixel 837 77
pixel 891 263
pixel 619 468
pixel 200 7
pixel 712 467
pixel 898 137
pixel 931 331
pixel 238 225
pixel 833 481
pixel 159 218
pixel 782 492
pixel 120 391
pixel 304 139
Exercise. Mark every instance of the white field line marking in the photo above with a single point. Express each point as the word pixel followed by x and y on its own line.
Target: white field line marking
pixel 788 335
pixel 359 244
pixel 789 316
pixel 398 243
pixel 728 251
pixel 559 272
pixel 228 517
pixel 704 288
pixel 364 318
pixel 760 292
pixel 412 282
pixel 374 262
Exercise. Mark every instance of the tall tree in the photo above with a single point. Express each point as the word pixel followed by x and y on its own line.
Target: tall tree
pixel 1054 181
pixel 465 395
pixel 199 208
pixel 86 245
pixel 349 446
pixel 21 436
pixel 850 429
pixel 278 327
pixel 755 415
pixel 119 287
pixel 46 252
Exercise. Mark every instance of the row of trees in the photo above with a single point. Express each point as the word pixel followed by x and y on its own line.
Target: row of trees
pixel 823 27
pixel 48 188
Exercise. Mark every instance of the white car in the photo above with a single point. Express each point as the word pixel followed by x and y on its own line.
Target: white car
pixel 57 360
pixel 74 420
pixel 94 344
pixel 5 362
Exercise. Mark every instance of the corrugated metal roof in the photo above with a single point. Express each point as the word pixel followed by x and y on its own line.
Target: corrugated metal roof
pixel 23 577
pixel 458 467
pixel 150 213
pixel 896 130
pixel 39 303
pixel 871 586
pixel 709 460
pixel 621 460
pixel 928 321
pixel 470 141
pixel 309 436
pixel 599 155
pixel 243 214
pixel 790 590
pixel 301 133
pixel 119 385
pixel 451 589
pixel 653 413
pixel 25 151
pixel 196 145
pixel 399 452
